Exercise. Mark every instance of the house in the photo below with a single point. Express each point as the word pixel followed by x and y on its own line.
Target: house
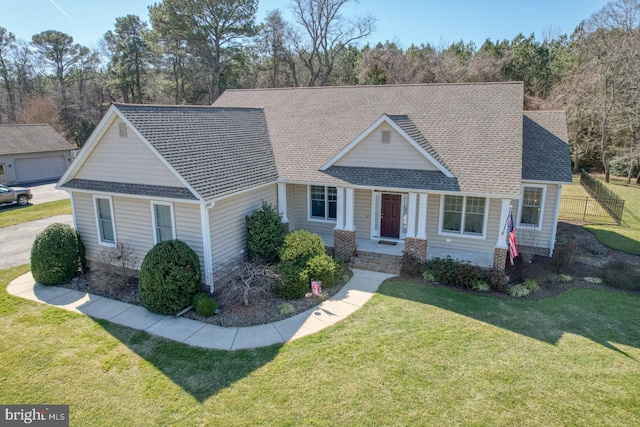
pixel 31 153
pixel 433 170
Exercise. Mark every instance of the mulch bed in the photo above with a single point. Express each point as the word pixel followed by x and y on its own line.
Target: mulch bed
pixel 589 258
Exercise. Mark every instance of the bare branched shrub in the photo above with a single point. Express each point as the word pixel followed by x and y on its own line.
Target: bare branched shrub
pixel 528 240
pixel 115 266
pixel 244 283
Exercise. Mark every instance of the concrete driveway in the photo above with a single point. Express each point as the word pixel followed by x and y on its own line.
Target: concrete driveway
pixel 46 192
pixel 16 241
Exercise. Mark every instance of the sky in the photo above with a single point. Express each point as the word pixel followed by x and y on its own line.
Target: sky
pixel 406 22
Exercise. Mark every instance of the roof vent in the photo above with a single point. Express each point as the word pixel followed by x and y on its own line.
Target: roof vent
pixel 386 137
pixel 122 127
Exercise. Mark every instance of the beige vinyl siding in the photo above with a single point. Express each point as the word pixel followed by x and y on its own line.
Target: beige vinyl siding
pixel 486 245
pixel 398 154
pixel 134 227
pixel 362 204
pixel 538 238
pixel 86 223
pixel 128 160
pixel 227 220
pixel 301 212
pixel 189 227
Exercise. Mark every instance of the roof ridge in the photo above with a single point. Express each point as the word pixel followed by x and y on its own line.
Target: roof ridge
pixel 177 106
pixel 376 86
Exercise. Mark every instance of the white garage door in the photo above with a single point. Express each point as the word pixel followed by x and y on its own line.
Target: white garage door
pixel 39 168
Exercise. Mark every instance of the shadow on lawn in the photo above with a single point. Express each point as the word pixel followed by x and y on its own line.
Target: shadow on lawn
pixel 605 317
pixel 621 242
pixel 200 372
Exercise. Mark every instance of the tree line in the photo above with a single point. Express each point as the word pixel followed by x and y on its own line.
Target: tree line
pixel 190 51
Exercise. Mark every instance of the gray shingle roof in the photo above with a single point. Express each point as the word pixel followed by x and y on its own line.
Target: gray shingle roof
pixel 405 123
pixel 394 178
pixel 137 189
pixel 19 139
pixel 218 151
pixel 545 155
pixel 475 129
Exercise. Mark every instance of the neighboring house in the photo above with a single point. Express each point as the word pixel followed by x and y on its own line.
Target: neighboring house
pixel 434 169
pixel 31 153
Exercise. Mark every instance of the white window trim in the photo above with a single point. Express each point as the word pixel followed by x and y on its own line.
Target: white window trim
pixel 113 220
pixel 310 218
pixel 521 202
pixel 461 234
pixel 155 203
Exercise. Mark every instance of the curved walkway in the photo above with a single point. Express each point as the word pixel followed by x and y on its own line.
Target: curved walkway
pixel 351 297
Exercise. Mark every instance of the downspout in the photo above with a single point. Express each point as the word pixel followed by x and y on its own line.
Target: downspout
pixel 555 220
pixel 206 243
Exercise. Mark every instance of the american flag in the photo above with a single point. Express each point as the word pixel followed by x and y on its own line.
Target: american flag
pixel 513 246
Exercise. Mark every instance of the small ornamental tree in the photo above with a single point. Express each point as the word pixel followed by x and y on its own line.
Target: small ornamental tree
pixel 169 277
pixel 57 255
pixel 265 236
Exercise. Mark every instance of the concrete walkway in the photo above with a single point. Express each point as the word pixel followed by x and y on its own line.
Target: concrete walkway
pixel 351 297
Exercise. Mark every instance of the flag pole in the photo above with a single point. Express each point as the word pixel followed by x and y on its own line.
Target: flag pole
pixel 507 221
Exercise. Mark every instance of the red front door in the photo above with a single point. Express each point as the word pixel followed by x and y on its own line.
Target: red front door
pixel 390 216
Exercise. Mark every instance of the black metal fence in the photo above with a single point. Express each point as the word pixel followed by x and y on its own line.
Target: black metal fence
pixel 610 201
pixel 583 209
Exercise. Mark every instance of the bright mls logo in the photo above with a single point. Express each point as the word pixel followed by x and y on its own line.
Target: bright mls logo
pixel 36 415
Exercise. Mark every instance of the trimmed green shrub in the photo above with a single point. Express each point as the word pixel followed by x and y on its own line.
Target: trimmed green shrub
pixel 301 245
pixel 57 255
pixel 169 277
pixel 293 282
pixel 455 273
pixel 323 268
pixel 411 265
pixel 429 276
pixel 204 304
pixel 265 234
pixel 621 275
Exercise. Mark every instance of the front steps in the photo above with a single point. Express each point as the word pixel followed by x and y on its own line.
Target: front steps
pixel 376 262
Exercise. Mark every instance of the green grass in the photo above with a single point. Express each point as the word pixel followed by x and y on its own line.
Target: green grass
pixel 624 238
pixel 10 215
pixel 414 355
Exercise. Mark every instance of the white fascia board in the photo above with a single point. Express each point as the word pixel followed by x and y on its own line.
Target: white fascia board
pixel 132 196
pixel 385 119
pixel 89 145
pixel 158 155
pixel 533 181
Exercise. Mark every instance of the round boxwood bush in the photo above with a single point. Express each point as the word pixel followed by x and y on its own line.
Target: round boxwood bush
pixel 204 304
pixel 57 255
pixel 323 268
pixel 293 282
pixel 301 244
pixel 169 277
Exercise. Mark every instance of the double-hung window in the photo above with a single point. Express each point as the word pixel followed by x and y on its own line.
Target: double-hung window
pixel 531 210
pixel 323 202
pixel 104 220
pixel 163 222
pixel 464 215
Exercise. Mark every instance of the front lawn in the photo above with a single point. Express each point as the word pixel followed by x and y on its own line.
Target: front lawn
pixel 13 215
pixel 414 355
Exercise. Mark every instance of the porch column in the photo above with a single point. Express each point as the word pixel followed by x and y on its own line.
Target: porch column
pixel 340 209
pixel 344 235
pixel 350 210
pixel 411 217
pixel 422 217
pixel 500 251
pixel 282 201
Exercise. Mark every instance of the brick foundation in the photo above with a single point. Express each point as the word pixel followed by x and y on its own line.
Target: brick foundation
pixel 416 247
pixel 499 258
pixel 344 244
